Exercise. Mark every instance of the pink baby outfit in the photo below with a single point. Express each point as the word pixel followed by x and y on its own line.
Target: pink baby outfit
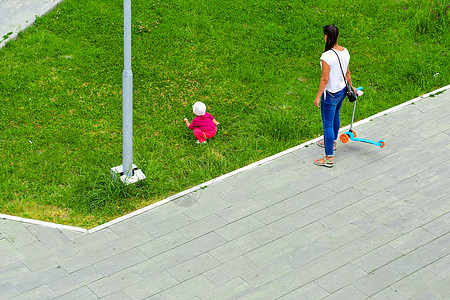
pixel 203 127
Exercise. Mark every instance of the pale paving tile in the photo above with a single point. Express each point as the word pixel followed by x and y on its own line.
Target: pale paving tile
pixel 302 256
pixel 49 237
pixel 42 293
pixel 159 297
pixel 16 233
pixel 377 238
pixel 93 241
pixel 127 242
pixel 8 290
pixel 230 270
pixel 252 240
pixel 306 235
pixel 424 296
pixel 407 187
pixel 16 269
pixel 349 293
pixel 150 287
pixel 230 290
pixel 340 278
pixel 243 193
pixel 269 252
pixel 240 210
pixel 213 205
pixel 440 267
pixel 439 247
pixel 310 291
pixel 50 257
pixel 407 170
pixel 33 248
pixel 163 244
pixel 168 225
pixel 376 201
pixel 378 280
pixel 193 267
pixel 343 199
pixel 239 228
pixel 438 207
pixel 293 204
pixel 267 273
pixel 441 290
pixel 352 179
pixel 342 217
pixel 342 256
pixel 389 294
pixel 81 293
pixel 376 184
pixel 8 253
pixel 413 261
pixel 113 283
pixel 83 259
pixel 202 226
pixel 274 195
pixel 29 281
pixel 189 288
pixel 439 226
pixel 75 280
pixel 410 221
pixel 412 240
pixel 247 178
pixel 416 283
pixel 306 181
pixel 410 203
pixel 120 295
pixel 271 290
pixel 342 236
pixel 171 258
pixel 120 261
pixel 377 258
pixel 304 275
pixel 308 215
pixel 282 164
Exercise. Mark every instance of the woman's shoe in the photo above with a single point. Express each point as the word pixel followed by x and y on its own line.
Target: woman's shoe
pixel 329 163
pixel 321 144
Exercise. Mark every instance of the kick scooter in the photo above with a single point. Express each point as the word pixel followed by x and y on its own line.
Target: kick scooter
pixel 351 134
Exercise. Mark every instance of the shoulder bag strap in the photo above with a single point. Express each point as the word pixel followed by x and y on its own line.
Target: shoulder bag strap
pixel 340 66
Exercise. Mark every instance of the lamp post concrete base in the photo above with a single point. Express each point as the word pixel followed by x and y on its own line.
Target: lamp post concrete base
pixel 117 172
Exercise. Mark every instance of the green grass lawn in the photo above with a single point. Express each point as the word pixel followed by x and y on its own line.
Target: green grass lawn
pixel 254 63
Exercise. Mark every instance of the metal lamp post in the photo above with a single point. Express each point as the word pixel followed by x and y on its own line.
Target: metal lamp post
pixel 128 172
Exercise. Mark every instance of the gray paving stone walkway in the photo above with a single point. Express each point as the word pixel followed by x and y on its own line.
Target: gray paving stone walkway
pixel 376 226
pixel 17 15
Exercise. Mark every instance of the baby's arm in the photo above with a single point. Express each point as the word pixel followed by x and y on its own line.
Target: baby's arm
pixel 215 122
pixel 187 122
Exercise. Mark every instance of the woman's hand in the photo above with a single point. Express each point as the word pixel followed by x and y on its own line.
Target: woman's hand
pixel 317 102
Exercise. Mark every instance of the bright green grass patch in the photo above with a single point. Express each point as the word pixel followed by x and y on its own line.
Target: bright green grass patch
pixel 255 64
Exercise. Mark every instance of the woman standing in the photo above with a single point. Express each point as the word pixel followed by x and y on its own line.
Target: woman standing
pixel 332 91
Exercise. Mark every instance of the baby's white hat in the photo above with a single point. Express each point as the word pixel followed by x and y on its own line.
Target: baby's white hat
pixel 199 108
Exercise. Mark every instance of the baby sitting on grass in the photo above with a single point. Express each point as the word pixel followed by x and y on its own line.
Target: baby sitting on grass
pixel 204 125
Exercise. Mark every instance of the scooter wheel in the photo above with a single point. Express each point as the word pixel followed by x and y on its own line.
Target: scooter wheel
pixel 344 138
pixel 382 144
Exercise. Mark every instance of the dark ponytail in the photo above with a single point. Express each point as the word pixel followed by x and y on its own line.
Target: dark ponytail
pixel 332 34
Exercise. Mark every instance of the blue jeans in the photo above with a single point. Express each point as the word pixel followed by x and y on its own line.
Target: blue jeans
pixel 330 107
